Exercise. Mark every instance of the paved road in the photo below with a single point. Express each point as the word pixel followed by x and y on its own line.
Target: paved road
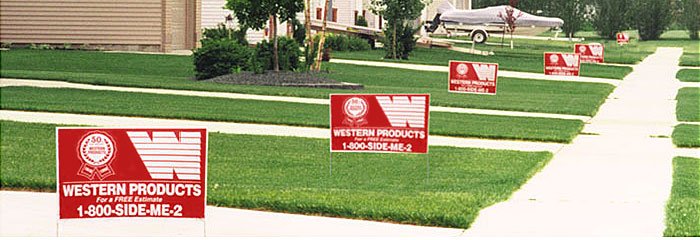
pixel 5 82
pixel 615 183
pixel 34 214
pixel 254 129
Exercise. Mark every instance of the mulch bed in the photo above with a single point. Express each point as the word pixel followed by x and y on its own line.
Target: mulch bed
pixel 284 79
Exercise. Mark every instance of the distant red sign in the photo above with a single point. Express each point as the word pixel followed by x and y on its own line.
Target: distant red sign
pixel 473 77
pixel 564 64
pixel 131 172
pixel 623 38
pixel 379 123
pixel 590 53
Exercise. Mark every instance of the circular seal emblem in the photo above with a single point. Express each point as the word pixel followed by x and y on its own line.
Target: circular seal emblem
pixel 553 58
pixel 355 107
pixel 96 149
pixel 462 69
pixel 582 49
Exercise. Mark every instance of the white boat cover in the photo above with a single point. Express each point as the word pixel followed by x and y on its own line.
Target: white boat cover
pixel 489 15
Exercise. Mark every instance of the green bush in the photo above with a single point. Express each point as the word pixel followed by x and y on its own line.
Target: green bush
pixel 405 43
pixel 654 16
pixel 220 57
pixel 340 42
pixel 299 33
pixel 611 17
pixel 361 21
pixel 288 51
pixel 221 31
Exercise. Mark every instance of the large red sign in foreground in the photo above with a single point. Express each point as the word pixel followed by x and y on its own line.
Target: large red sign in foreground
pixel 473 77
pixel 131 172
pixel 590 53
pixel 564 64
pixel 379 123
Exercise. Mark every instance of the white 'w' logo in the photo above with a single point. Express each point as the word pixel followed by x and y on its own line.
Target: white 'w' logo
pixel 596 49
pixel 165 154
pixel 485 71
pixel 403 111
pixel 570 59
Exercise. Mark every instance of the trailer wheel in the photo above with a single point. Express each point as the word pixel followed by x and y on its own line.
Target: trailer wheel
pixel 479 36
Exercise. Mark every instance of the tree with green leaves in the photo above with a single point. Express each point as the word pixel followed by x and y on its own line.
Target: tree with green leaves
pixel 255 14
pixel 611 17
pixel 573 13
pixel 690 17
pixel 397 13
pixel 653 17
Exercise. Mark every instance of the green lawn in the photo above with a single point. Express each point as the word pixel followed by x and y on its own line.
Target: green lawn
pixel 686 135
pixel 175 72
pixel 269 112
pixel 288 174
pixel 683 207
pixel 688 105
pixel 688 75
pixel 521 60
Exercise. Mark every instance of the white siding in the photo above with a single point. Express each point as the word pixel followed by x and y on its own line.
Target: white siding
pixel 213 13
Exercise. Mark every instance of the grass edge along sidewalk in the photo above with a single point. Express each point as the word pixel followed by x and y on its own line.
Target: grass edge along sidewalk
pixel 688 104
pixel 683 207
pixel 686 135
pixel 290 174
pixel 175 72
pixel 688 75
pixel 269 112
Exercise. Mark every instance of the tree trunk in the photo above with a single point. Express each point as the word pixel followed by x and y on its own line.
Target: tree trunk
pixel 317 64
pixel 393 42
pixel 275 52
pixel 309 38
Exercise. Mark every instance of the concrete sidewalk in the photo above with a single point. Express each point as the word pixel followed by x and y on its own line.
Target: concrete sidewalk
pixel 6 82
pixel 35 214
pixel 501 73
pixel 254 129
pixel 615 183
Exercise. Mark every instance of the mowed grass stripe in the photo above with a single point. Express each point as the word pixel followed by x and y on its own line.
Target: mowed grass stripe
pixel 688 105
pixel 688 75
pixel 686 135
pixel 268 112
pixel 683 207
pixel 522 60
pixel 289 174
pixel 141 70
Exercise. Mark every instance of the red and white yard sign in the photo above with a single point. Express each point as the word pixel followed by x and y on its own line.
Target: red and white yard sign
pixel 379 123
pixel 131 172
pixel 473 77
pixel 590 53
pixel 623 38
pixel 564 64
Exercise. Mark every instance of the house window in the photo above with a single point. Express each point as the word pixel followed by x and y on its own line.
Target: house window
pixel 355 18
pixel 381 22
pixel 364 14
pixel 319 13
pixel 335 15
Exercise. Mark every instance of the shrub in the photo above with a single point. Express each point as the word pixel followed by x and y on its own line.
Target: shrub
pixel 221 31
pixel 361 21
pixel 288 51
pixel 340 42
pixel 690 17
pixel 299 31
pixel 220 57
pixel 654 16
pixel 611 17
pixel 405 43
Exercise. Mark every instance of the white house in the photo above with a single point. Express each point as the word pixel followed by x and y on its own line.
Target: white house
pixel 343 12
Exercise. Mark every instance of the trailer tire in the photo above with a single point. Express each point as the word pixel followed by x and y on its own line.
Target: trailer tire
pixel 479 36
